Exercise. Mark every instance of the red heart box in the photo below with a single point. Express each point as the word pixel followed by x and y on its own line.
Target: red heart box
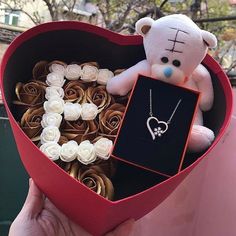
pixel 138 190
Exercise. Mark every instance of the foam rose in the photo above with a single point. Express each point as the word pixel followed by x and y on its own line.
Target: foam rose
pixel 89 111
pixel 98 96
pixel 73 72
pixel 55 79
pixel 58 67
pixel 51 150
pixel 80 130
pixel 51 119
pixel 103 76
pixel 103 148
pixel 69 151
pixel 72 111
pixel 31 122
pixel 89 73
pixel 96 181
pixel 54 104
pixel 30 94
pixel 50 134
pixel 110 120
pixel 74 91
pixel 40 70
pixel 54 91
pixel 86 152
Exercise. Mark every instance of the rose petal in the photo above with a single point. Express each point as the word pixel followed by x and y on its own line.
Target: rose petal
pixel 73 172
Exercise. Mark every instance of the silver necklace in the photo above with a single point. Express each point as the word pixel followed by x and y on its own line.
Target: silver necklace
pixel 162 126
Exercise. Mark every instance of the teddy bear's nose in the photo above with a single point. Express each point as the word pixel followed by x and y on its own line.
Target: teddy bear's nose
pixel 168 72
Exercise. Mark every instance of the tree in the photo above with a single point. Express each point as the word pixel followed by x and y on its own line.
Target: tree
pixel 121 15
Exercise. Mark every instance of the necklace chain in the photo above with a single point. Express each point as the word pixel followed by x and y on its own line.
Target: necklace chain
pixel 151 110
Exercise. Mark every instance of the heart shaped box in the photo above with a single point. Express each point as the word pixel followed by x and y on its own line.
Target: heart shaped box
pixel 138 191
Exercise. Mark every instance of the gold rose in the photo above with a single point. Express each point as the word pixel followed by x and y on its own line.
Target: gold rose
pixel 31 123
pixel 96 181
pixel 99 96
pixel 40 70
pixel 31 93
pixel 74 91
pixel 80 130
pixel 110 119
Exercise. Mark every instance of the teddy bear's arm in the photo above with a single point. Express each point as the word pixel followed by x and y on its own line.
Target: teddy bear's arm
pixel 202 78
pixel 121 84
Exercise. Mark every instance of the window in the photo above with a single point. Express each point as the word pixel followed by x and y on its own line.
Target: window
pixel 12 17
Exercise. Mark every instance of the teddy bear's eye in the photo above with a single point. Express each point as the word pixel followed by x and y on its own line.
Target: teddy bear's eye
pixel 164 59
pixel 176 63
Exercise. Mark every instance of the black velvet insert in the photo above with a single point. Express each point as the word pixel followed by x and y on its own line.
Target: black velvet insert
pixel 129 180
pixel 135 142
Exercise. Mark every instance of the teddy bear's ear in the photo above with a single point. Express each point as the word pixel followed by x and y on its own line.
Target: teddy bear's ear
pixel 209 39
pixel 143 25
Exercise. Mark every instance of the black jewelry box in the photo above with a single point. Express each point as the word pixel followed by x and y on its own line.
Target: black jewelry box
pixel 156 126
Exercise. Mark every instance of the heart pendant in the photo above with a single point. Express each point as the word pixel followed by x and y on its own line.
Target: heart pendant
pixel 160 128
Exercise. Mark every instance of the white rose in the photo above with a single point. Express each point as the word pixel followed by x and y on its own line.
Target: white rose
pixel 51 119
pixel 54 104
pixel 89 73
pixel 54 91
pixel 55 79
pixel 72 111
pixel 86 152
pixel 69 151
pixel 104 75
pixel 51 150
pixel 73 72
pixel 50 134
pixel 89 111
pixel 103 148
pixel 58 68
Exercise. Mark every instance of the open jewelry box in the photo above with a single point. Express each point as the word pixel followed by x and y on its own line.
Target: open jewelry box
pixel 138 190
pixel 156 126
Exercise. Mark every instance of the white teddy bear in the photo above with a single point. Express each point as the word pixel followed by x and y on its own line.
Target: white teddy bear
pixel 175 47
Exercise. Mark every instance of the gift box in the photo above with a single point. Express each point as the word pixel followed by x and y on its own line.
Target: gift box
pixel 156 126
pixel 138 190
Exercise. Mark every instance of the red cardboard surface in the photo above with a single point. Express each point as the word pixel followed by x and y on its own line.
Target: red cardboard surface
pixel 96 214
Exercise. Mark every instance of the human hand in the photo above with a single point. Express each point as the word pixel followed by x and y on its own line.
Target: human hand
pixel 40 217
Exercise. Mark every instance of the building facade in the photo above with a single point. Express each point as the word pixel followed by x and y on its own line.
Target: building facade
pixel 15 19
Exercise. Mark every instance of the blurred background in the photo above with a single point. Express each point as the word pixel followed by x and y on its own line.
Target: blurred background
pixel 216 16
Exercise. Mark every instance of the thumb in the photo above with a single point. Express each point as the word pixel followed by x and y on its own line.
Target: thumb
pixel 34 202
pixel 123 229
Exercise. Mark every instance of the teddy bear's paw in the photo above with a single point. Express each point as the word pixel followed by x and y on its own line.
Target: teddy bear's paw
pixel 201 138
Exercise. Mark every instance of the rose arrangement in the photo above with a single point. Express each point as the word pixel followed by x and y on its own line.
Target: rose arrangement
pixel 67 112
